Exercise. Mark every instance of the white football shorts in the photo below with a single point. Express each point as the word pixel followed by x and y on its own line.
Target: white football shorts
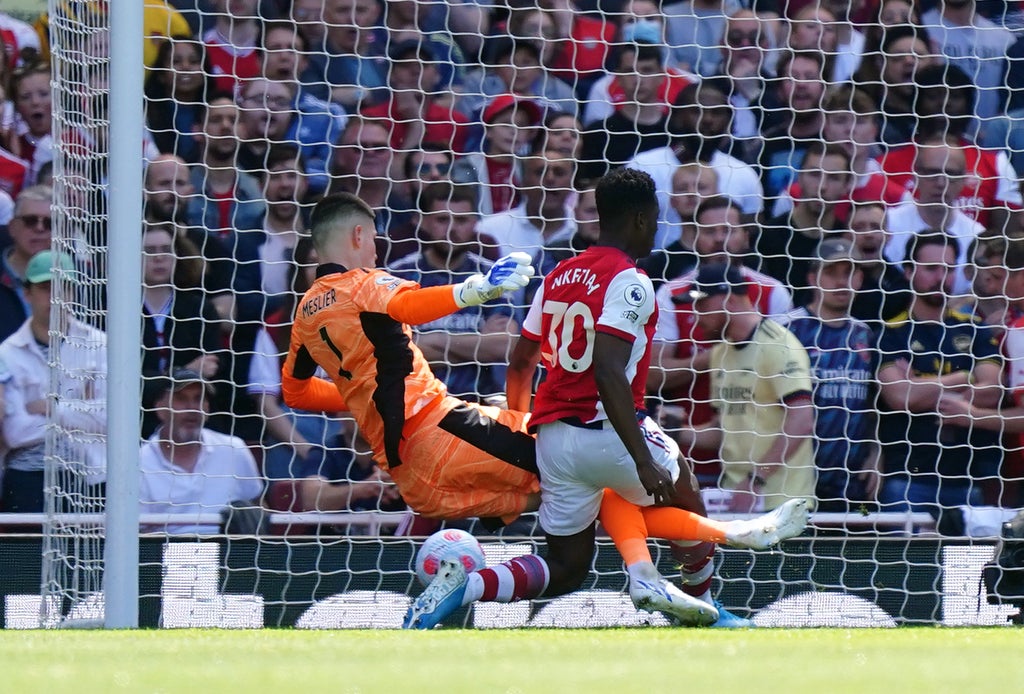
pixel 577 464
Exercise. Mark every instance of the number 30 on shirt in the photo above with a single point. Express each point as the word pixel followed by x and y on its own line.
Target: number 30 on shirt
pixel 571 349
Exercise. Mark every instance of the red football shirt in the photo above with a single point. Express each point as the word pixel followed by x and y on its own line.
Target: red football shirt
pixel 441 125
pixel 600 290
pixel 991 182
pixel 584 53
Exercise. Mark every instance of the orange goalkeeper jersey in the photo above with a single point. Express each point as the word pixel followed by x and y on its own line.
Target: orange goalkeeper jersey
pixel 345 324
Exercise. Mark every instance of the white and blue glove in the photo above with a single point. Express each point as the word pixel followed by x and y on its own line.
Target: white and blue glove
pixel 508 274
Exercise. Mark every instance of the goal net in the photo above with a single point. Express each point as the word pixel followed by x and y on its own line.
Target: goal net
pixel 820 161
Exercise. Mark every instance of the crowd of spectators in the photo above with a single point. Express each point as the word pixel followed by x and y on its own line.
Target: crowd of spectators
pixel 851 169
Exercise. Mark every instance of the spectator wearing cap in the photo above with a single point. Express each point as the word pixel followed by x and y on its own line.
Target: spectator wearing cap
pixel 509 123
pixel 30 230
pixel 513 65
pixel 638 124
pixel 80 404
pixel 843 364
pixel 186 469
pixel 417 109
pixel 761 393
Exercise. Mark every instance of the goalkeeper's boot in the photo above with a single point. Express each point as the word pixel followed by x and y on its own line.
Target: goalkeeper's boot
pixel 728 620
pixel 442 597
pixel 658 595
pixel 788 520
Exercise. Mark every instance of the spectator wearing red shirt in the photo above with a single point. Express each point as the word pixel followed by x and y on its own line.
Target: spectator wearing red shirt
pixel 851 124
pixel 508 128
pixel 232 42
pixel 609 93
pixel 33 102
pixel 583 46
pixel 414 114
pixel 945 106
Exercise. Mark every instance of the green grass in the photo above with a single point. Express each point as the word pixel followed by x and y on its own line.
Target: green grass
pixel 681 661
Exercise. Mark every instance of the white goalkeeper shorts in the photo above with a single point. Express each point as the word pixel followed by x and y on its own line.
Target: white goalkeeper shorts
pixel 577 464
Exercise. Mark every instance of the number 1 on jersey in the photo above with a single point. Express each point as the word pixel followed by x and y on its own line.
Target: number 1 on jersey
pixel 337 352
pixel 562 335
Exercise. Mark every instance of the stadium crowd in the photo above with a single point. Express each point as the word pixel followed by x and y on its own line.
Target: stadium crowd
pixel 855 165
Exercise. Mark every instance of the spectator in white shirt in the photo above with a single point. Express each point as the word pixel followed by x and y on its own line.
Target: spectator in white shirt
pixel 546 213
pixel 187 470
pixel 80 405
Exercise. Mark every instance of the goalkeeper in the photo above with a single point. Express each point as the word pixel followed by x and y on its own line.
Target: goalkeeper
pixel 449 458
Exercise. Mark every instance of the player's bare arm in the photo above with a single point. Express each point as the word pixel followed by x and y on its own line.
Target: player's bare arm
pixel 519 376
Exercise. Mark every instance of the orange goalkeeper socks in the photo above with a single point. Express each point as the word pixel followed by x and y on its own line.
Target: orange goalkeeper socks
pixel 676 524
pixel 624 522
pixel 630 525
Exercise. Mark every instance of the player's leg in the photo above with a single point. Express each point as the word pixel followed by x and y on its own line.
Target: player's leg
pixel 467 461
pixel 695 557
pixel 561 571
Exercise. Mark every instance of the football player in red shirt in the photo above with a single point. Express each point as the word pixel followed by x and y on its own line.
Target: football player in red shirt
pixel 592 322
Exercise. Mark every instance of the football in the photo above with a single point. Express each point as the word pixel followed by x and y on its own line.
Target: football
pixel 446 544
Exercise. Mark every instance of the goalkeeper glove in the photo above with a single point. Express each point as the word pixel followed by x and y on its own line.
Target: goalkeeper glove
pixel 506 275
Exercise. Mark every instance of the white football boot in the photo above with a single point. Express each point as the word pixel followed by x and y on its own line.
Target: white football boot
pixel 653 593
pixel 788 520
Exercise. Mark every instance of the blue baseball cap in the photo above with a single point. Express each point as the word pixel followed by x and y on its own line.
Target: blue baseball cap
pixel 716 279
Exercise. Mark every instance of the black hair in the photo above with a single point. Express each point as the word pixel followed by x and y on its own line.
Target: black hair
pixel 930 237
pixel 622 194
pixel 717 202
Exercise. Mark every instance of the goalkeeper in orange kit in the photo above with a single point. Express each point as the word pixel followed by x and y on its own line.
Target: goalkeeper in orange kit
pixel 449 458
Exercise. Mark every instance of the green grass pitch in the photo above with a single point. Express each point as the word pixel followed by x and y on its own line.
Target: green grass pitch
pixel 531 660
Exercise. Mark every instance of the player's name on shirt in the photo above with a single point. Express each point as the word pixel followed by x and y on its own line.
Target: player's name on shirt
pixel 577 275
pixel 318 302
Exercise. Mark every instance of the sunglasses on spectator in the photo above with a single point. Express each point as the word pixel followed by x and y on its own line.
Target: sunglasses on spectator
pixel 34 220
pixel 440 168
pixel 741 38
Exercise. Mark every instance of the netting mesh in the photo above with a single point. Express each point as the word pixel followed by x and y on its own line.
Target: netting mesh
pixel 814 148
pixel 75 442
